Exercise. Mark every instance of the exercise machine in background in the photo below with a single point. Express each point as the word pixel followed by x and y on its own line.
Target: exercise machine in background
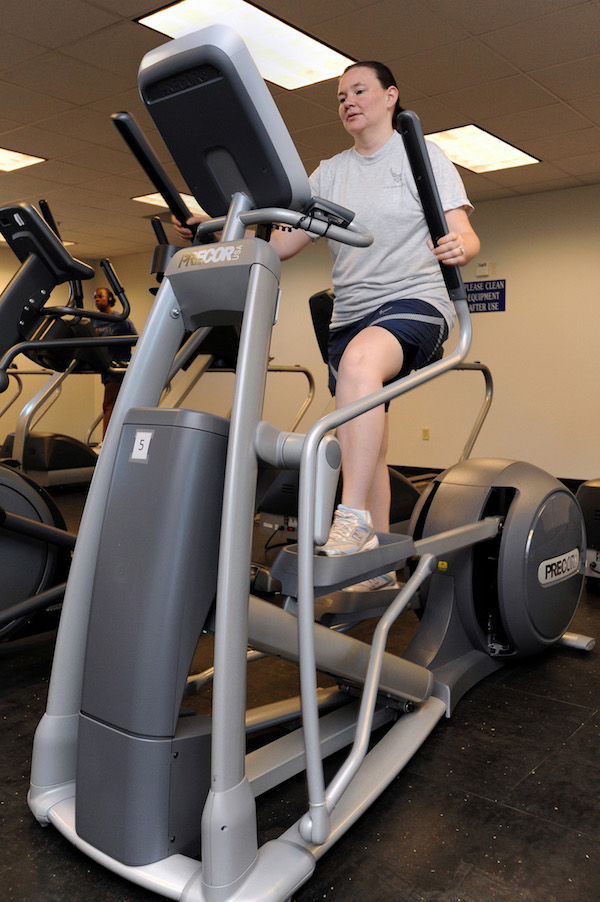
pixel 35 555
pixel 588 496
pixel 35 546
pixel 61 339
pixel 496 548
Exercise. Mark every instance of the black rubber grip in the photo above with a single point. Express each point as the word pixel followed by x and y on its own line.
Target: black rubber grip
pixel 142 151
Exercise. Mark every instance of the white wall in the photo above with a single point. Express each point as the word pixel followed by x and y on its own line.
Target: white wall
pixel 541 351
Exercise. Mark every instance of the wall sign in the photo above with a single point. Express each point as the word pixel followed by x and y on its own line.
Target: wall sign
pixel 487 296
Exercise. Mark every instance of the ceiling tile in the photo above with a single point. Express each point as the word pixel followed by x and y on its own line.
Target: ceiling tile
pixel 453 66
pixel 128 8
pixel 24 185
pixel 313 11
pixel 544 186
pixel 121 186
pixel 327 139
pixel 561 36
pixel 118 48
pixel 528 175
pixel 436 117
pixel 101 159
pixel 84 124
pixel 8 125
pixel 391 28
pixel 557 145
pixel 58 75
pixel 534 123
pixel 569 80
pixel 63 173
pixel 581 164
pixel 15 50
pixel 588 107
pixel 503 96
pixel 300 113
pixel 53 26
pixel 28 106
pixel 477 17
pixel 42 143
pixel 324 93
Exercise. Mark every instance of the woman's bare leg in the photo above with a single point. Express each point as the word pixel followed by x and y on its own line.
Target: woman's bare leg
pixel 371 358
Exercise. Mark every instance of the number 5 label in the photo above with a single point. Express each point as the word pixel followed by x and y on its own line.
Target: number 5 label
pixel 141 445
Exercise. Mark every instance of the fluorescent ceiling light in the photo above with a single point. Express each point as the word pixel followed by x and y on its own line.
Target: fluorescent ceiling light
pixel 284 56
pixel 157 200
pixel 12 159
pixel 65 243
pixel 474 149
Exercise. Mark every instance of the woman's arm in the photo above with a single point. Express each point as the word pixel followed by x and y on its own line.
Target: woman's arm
pixel 288 243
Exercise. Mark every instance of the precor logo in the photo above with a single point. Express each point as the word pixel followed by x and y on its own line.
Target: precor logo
pixel 558 568
pixel 211 255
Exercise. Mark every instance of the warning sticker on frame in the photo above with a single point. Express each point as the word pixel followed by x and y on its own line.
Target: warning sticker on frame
pixel 141 445
pixel 488 296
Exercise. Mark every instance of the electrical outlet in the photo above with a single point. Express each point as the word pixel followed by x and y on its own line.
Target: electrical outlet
pixel 425 433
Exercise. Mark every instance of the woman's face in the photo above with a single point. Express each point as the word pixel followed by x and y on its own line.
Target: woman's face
pixel 363 102
pixel 102 302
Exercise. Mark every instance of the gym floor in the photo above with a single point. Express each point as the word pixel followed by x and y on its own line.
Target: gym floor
pixel 501 803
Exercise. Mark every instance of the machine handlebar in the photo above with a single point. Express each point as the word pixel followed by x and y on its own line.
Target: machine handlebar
pixel 322 218
pixel 354 233
pixel 409 126
pixel 133 136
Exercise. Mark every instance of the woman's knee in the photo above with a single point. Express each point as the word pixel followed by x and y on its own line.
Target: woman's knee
pixel 356 364
pixel 372 357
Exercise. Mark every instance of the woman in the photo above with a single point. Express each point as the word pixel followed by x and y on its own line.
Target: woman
pixel 392 311
pixel 121 355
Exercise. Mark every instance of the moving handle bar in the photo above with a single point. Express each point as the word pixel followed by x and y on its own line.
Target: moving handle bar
pixel 321 217
pixel 407 123
pixel 142 151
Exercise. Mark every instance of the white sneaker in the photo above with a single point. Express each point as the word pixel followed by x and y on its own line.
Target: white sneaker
pixel 350 532
pixel 384 581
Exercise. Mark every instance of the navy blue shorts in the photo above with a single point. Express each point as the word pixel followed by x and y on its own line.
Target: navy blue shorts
pixel 419 327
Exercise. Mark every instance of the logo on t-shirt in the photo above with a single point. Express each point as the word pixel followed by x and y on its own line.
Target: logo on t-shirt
pixel 394 180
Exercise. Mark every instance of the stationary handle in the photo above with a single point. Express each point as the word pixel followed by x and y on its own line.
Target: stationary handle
pixel 161 235
pixel 116 288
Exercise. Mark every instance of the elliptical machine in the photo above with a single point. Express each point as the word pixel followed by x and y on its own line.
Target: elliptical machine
pixel 35 547
pixel 58 338
pixel 170 802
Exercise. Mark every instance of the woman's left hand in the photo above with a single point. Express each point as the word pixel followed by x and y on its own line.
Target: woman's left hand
pixel 450 249
pixel 461 243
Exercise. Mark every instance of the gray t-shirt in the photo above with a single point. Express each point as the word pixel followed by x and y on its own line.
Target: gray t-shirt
pixel 381 191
